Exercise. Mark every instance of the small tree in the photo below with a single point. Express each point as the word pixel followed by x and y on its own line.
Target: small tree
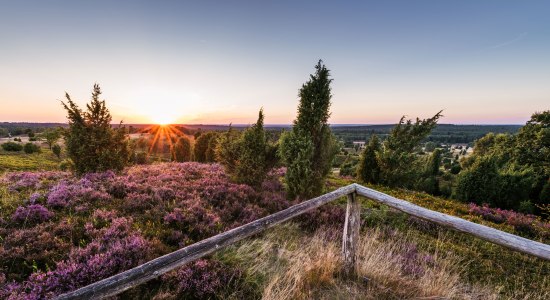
pixel 399 165
pixel 253 158
pixel 201 146
pixel 228 150
pixel 56 149
pixel 248 157
pixel 480 182
pixel 52 135
pixel 368 169
pixel 429 182
pixel 182 149
pixel 308 150
pixel 92 145
pixel 210 155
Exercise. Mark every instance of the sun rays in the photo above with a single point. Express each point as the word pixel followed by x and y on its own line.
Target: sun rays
pixel 164 135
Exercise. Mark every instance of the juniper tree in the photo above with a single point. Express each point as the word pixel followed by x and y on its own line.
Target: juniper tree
pixel 247 157
pixel 254 162
pixel 398 161
pixel 181 150
pixel 309 148
pixel 368 169
pixel 92 144
pixel 228 149
pixel 210 155
pixel 201 146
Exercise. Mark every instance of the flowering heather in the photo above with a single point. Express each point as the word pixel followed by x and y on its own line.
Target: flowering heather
pixel 32 214
pixel 527 224
pixel 18 181
pixel 119 221
pixel 113 249
pixel 60 195
pixel 202 279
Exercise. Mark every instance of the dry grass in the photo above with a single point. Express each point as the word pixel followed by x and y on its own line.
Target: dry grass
pixel 396 270
pixel 294 266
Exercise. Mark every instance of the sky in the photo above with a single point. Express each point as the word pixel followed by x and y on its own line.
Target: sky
pixel 219 62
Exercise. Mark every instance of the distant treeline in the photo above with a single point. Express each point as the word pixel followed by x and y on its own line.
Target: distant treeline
pixel 21 128
pixel 443 133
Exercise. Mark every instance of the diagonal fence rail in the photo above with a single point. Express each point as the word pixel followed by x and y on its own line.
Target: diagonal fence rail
pixel 123 281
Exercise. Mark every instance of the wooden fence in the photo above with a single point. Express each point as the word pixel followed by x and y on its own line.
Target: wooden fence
pixel 154 268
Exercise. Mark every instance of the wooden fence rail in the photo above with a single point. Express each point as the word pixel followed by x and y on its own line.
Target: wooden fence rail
pixel 154 268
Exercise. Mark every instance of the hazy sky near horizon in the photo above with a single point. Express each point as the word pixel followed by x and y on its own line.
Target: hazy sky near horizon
pixel 482 62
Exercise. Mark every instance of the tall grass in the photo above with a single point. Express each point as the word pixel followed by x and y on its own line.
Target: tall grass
pixel 288 264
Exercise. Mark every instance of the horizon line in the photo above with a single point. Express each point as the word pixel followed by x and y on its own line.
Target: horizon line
pixel 274 124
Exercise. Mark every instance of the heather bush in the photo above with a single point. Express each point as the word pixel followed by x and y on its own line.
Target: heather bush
pixel 203 279
pixel 32 214
pixel 529 225
pixel 113 249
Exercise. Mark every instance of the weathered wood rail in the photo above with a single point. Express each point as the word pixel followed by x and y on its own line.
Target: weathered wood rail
pixel 154 268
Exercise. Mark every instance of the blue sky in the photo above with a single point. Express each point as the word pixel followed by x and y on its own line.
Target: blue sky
pixel 483 62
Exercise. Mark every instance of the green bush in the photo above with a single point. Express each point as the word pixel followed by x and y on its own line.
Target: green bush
pixel 368 169
pixel 202 146
pixel 309 149
pixel 400 166
pixel 56 149
pixel 248 158
pixel 182 150
pixel 11 146
pixel 31 148
pixel 66 165
pixel 91 143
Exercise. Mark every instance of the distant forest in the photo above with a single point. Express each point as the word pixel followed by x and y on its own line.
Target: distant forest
pixel 443 133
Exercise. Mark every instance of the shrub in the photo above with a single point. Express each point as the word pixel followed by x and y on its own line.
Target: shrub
pixel 368 169
pixel 32 214
pixel 56 149
pixel 182 150
pixel 31 148
pixel 203 279
pixel 202 146
pixel 11 146
pixel 66 165
pixel 399 164
pixel 479 183
pixel 254 158
pixel 228 150
pixel 308 150
pixel 91 143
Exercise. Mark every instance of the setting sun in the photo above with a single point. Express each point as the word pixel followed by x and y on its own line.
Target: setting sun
pixel 161 117
pixel 162 120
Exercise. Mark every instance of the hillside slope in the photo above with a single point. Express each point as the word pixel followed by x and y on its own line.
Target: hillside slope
pixel 58 233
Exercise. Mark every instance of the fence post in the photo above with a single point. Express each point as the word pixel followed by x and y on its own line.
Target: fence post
pixel 351 234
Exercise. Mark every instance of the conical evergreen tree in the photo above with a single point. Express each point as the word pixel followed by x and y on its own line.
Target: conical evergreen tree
pixel 91 143
pixel 309 148
pixel 368 169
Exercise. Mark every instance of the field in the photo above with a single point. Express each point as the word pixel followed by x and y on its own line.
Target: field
pixel 59 232
pixel 20 161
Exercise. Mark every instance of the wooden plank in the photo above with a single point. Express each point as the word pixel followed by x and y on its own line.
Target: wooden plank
pixel 154 268
pixel 351 235
pixel 495 236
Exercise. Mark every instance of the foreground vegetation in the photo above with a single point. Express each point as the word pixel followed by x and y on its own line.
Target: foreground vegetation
pixel 60 232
